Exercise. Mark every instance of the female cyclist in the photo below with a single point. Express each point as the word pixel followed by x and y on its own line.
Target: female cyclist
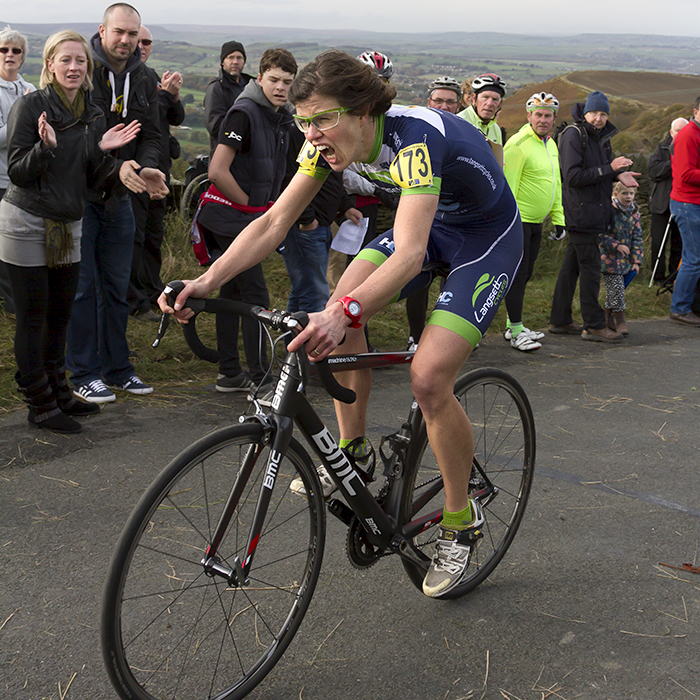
pixel 455 211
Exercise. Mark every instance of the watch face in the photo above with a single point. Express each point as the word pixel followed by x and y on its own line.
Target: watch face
pixel 354 308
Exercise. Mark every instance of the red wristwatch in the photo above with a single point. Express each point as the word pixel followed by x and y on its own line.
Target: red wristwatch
pixel 352 309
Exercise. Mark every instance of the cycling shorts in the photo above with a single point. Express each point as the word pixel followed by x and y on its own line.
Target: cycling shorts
pixel 481 260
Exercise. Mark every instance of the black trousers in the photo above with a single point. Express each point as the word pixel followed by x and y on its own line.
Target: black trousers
pixel 532 239
pixel 145 284
pixel 658 228
pixel 5 288
pixel 250 287
pixel 43 299
pixel 581 263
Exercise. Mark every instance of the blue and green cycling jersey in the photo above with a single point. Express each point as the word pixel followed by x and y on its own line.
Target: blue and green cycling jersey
pixel 427 151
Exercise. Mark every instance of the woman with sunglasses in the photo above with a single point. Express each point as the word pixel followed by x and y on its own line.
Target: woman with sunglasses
pixel 13 51
pixel 455 211
pixel 56 143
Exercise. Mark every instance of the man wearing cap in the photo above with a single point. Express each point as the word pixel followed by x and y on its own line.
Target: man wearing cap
pixel 223 90
pixel 444 93
pixel 531 166
pixel 588 171
pixel 488 91
pixel 685 209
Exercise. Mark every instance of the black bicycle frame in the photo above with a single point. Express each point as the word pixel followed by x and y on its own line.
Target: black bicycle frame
pixel 289 407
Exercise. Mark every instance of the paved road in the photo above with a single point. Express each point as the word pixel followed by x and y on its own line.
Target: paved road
pixel 580 607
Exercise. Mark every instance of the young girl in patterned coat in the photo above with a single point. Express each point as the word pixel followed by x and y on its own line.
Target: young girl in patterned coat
pixel 621 254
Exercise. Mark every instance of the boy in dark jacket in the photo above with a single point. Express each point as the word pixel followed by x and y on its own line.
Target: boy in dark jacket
pixel 588 171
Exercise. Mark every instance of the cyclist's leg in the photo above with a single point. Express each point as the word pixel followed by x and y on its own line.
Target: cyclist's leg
pixel 353 417
pixel 438 361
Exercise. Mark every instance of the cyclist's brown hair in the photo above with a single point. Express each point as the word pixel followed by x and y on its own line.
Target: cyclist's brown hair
pixel 340 76
pixel 278 58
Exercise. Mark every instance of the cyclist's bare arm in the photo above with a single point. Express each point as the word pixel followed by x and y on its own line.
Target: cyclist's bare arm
pixel 252 245
pixel 372 286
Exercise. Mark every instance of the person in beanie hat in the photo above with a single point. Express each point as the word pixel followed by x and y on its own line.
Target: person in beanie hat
pixel 596 102
pixel 588 171
pixel 223 90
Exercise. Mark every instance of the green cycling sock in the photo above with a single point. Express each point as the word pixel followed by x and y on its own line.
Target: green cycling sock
pixel 360 449
pixel 517 328
pixel 458 521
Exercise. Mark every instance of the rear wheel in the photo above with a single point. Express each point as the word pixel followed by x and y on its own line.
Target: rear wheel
pixel 172 628
pixel 191 195
pixel 503 467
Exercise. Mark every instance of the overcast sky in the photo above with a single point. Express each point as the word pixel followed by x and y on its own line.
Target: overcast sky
pixel 674 17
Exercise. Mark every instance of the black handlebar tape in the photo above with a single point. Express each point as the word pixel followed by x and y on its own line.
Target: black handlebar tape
pixel 331 385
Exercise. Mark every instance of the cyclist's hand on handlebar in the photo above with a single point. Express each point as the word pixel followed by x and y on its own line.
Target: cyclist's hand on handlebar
pixel 193 288
pixel 323 333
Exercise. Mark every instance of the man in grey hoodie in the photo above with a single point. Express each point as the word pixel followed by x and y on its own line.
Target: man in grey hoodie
pixel 246 171
pixel 97 351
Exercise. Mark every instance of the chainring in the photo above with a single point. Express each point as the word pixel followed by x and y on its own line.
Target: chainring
pixel 361 552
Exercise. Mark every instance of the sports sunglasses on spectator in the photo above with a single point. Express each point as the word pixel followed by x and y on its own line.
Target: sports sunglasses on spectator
pixel 146 42
pixel 7 49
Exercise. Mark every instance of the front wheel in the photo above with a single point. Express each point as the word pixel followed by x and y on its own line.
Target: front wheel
pixel 171 628
pixel 502 471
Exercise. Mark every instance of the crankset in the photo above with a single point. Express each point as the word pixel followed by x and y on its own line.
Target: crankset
pixel 361 552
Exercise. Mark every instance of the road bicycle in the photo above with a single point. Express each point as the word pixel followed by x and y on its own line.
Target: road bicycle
pixel 217 564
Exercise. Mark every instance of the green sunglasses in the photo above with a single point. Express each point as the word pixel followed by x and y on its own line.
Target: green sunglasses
pixel 321 121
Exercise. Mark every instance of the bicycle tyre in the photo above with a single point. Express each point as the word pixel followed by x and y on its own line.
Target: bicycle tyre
pixel 504 446
pixel 197 186
pixel 170 630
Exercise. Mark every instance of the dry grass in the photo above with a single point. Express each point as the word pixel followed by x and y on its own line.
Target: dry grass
pixel 173 365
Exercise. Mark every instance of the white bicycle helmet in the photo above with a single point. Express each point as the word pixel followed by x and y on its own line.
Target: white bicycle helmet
pixel 489 81
pixel 542 100
pixel 445 83
pixel 379 61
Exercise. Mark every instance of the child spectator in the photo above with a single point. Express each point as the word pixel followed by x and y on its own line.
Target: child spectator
pixel 621 254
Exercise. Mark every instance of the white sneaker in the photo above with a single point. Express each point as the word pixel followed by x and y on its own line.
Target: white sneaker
pixel 327 485
pixel 534 335
pixel 453 552
pixel 524 343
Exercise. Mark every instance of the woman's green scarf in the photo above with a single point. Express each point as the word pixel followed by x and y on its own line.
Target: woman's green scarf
pixel 59 234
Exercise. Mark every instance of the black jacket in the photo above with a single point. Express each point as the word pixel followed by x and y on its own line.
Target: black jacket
pixel 141 104
pixel 170 113
pixel 659 172
pixel 260 171
pixel 54 184
pixel 587 176
pixel 221 93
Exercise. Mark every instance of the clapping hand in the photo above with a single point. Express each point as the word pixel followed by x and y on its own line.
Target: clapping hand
pixel 138 179
pixel 46 132
pixel 119 136
pixel 172 82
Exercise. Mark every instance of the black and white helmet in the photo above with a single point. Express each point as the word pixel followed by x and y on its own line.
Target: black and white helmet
pixel 489 81
pixel 445 83
pixel 542 100
pixel 379 61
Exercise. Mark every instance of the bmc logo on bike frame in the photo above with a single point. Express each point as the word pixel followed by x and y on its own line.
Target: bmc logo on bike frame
pixel 279 389
pixel 272 468
pixel 498 286
pixel 338 462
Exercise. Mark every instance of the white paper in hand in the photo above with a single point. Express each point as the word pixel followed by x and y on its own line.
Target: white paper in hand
pixel 350 236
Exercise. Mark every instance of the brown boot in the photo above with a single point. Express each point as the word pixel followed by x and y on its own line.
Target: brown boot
pixel 620 323
pixel 601 335
pixel 43 409
pixel 610 320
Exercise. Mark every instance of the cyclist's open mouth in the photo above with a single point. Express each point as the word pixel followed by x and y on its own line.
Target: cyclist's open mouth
pixel 328 153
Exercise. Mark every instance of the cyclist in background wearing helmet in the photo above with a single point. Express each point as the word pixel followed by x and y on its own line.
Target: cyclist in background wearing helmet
pixel 488 91
pixel 380 62
pixel 531 166
pixel 444 93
